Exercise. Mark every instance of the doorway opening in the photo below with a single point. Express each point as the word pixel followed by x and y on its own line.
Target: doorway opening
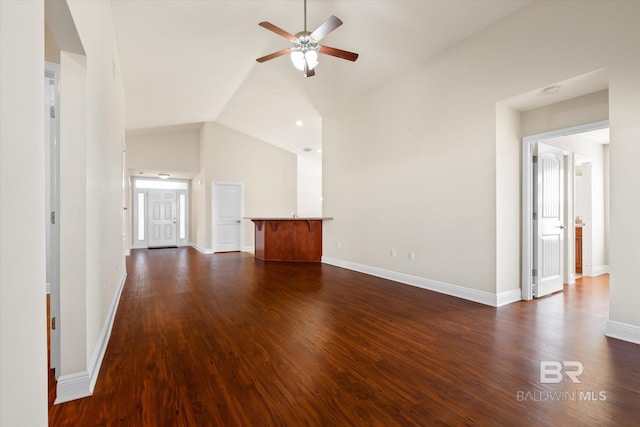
pixel 584 216
pixel 160 213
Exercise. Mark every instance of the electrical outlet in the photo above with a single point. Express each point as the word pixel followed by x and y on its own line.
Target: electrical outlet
pixel 412 256
pixel 393 253
pixel 339 245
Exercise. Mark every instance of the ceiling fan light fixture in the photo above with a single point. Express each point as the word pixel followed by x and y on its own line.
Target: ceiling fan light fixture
pixel 311 57
pixel 299 56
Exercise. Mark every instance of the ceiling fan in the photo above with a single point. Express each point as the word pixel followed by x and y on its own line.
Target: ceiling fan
pixel 305 49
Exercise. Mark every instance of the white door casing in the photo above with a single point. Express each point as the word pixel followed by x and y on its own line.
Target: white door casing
pixel 52 220
pixel 227 216
pixel 548 220
pixel 528 236
pixel 162 218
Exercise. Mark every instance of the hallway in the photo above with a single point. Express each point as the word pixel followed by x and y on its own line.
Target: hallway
pixel 227 340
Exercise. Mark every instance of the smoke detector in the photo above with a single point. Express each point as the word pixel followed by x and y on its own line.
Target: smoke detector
pixel 551 90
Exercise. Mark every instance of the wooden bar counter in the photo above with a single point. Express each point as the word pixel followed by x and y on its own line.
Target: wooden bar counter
pixel 288 239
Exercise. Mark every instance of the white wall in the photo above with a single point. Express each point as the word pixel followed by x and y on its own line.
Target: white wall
pixel 51 48
pixel 310 185
pixel 508 137
pixel 73 214
pixel 23 351
pixel 419 153
pixel 590 108
pixel 624 152
pixel 582 192
pixel 268 174
pixel 165 151
pixel 92 268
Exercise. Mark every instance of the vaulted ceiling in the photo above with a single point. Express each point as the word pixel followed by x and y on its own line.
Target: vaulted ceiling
pixel 186 62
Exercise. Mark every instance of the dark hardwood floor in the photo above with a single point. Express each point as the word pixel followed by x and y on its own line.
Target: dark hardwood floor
pixel 227 340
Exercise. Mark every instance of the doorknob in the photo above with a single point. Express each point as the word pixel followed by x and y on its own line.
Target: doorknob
pixel 560 227
pixel 238 221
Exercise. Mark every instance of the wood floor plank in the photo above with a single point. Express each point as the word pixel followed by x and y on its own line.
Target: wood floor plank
pixel 228 340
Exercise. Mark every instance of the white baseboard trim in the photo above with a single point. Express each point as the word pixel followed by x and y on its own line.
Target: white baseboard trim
pixel 250 249
pixel 201 249
pixel 81 384
pixel 599 269
pixel 623 331
pixel 48 288
pixel 572 279
pixel 73 386
pixel 474 295
pixel 508 297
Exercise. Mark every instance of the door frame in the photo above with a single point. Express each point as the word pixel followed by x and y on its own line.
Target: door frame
pixel 587 230
pixel 214 209
pixel 528 143
pixel 134 242
pixel 52 150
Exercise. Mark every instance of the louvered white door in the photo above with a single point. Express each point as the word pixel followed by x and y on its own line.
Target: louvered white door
pixel 548 227
pixel 161 214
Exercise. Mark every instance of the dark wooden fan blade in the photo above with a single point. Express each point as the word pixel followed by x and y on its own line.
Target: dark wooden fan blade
pixel 274 55
pixel 329 25
pixel 269 26
pixel 338 53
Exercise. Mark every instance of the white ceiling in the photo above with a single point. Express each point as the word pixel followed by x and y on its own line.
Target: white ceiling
pixel 189 61
pixel 597 136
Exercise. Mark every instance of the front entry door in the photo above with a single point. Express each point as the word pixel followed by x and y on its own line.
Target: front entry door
pixel 548 225
pixel 227 217
pixel 162 213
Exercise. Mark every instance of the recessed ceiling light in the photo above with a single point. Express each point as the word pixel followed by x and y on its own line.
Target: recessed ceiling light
pixel 299 123
pixel 163 175
pixel 551 90
pixel 319 151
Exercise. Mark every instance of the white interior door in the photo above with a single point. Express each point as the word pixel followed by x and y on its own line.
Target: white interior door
pixel 161 214
pixel 548 223
pixel 227 217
